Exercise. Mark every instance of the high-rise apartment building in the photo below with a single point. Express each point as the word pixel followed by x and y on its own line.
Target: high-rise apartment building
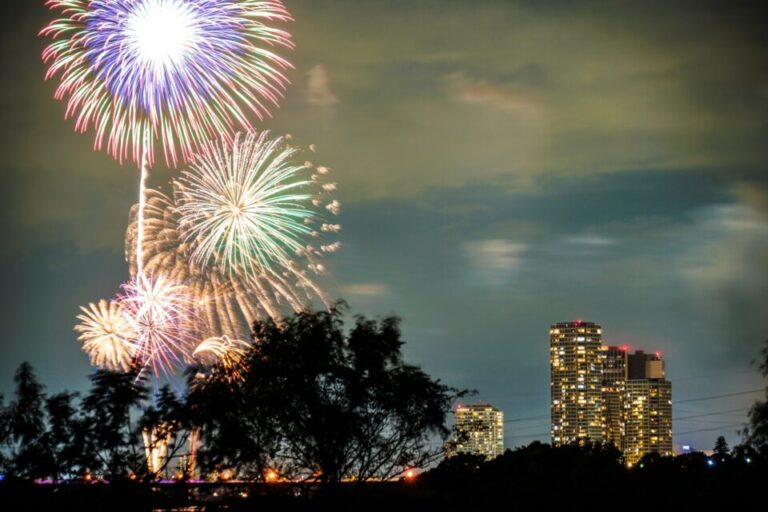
pixel 647 408
pixel 614 371
pixel 604 394
pixel 575 358
pixel 478 430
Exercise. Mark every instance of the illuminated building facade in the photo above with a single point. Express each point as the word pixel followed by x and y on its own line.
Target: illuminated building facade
pixel 479 430
pixel 576 382
pixel 648 408
pixel 605 394
pixel 614 371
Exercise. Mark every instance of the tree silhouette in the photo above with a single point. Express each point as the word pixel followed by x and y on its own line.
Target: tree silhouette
pixel 721 450
pixel 349 407
pixel 61 434
pixel 756 433
pixel 163 430
pixel 315 402
pixel 112 438
pixel 24 441
pixel 233 421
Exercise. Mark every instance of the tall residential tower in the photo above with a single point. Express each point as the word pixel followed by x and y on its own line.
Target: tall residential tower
pixel 647 408
pixel 604 394
pixel 575 359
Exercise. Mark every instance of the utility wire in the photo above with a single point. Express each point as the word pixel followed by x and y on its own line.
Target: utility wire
pixel 708 429
pixel 714 397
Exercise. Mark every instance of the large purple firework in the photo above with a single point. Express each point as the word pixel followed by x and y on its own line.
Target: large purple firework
pixel 179 72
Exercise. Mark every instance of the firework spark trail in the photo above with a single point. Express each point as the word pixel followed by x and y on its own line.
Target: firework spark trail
pixel 142 205
pixel 179 72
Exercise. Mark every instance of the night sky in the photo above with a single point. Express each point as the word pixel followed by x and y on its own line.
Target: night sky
pixel 502 166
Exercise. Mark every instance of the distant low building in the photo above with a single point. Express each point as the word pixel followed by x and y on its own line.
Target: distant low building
pixel 478 430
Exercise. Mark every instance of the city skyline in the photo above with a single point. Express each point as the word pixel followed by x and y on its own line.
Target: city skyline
pixel 494 179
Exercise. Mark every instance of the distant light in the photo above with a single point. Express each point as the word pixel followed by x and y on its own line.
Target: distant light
pixel 710 462
pixel 749 461
pixel 642 465
pixel 271 475
pixel 686 447
pixel 2 476
pixel 410 474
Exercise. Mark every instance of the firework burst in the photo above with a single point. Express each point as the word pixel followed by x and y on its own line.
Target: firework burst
pixel 175 71
pixel 107 335
pixel 162 314
pixel 248 208
pixel 225 351
pixel 226 302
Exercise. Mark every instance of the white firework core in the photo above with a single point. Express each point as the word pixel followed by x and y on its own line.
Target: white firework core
pixel 162 32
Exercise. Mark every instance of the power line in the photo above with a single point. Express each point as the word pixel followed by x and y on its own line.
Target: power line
pixel 531 418
pixel 528 435
pixel 714 397
pixel 717 413
pixel 710 375
pixel 708 429
pixel 676 402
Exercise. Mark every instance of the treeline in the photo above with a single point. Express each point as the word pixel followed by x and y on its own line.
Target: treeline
pixel 592 478
pixel 307 401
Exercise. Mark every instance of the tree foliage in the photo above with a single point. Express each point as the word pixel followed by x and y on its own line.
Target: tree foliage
pixel 26 451
pixel 756 433
pixel 317 402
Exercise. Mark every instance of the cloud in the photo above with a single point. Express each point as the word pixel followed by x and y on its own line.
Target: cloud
pixel 366 289
pixel 727 250
pixel 494 261
pixel 476 92
pixel 318 91
pixel 589 240
pixel 623 87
